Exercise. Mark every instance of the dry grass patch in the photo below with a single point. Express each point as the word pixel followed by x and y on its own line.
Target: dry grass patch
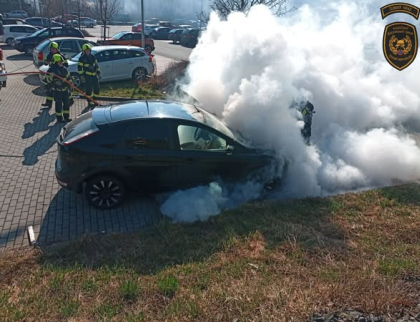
pixel 262 261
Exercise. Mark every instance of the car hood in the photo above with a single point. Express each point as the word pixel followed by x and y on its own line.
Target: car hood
pixel 24 37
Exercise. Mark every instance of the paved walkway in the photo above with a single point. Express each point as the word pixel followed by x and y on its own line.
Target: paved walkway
pixel 29 193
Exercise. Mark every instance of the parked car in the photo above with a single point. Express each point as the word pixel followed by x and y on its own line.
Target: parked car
pixel 160 33
pixel 10 32
pixel 115 62
pixel 150 146
pixel 27 44
pixel 130 39
pixel 68 46
pixel 65 18
pixel 14 21
pixel 16 14
pixel 3 72
pixel 84 22
pixel 42 22
pixel 189 37
pixel 175 35
pixel 147 28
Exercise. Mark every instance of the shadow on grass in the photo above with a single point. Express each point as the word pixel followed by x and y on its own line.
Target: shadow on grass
pixel 306 222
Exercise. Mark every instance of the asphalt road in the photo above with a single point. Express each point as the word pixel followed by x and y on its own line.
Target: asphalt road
pixel 164 48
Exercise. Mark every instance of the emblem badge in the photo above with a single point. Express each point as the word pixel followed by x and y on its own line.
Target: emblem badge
pixel 400 44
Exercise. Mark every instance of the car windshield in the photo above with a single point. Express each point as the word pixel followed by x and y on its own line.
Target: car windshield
pixel 217 124
pixel 119 35
pixel 36 33
pixel 76 58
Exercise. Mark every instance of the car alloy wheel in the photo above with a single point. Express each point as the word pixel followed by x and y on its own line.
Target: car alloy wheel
pixel 105 192
pixel 9 41
pixel 75 78
pixel 139 74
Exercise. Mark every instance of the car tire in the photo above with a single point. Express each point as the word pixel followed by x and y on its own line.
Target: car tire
pixel 28 49
pixel 105 192
pixel 140 74
pixel 148 48
pixel 75 78
pixel 91 26
pixel 9 41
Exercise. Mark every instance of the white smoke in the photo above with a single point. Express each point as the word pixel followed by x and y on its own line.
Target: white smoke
pixel 249 69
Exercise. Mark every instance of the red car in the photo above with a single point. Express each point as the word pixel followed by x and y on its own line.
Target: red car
pixel 136 27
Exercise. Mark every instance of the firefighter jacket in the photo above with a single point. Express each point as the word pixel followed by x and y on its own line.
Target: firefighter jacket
pixel 57 83
pixel 49 59
pixel 88 65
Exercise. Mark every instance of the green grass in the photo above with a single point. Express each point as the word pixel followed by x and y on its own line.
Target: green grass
pixel 131 89
pixel 262 261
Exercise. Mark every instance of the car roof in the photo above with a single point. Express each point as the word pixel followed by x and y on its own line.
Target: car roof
pixel 67 38
pixel 147 109
pixel 106 47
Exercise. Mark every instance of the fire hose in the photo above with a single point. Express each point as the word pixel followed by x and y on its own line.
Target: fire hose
pixel 61 78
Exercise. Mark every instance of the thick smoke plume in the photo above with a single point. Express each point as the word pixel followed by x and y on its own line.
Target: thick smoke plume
pixel 249 69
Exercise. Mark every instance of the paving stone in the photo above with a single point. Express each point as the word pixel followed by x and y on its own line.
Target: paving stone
pixel 29 193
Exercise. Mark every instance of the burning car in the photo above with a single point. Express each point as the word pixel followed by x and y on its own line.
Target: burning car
pixel 151 146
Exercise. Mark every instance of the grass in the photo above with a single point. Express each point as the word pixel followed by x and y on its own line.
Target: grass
pixel 263 261
pixel 131 89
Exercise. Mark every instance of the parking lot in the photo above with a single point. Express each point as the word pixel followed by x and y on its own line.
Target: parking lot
pixel 29 193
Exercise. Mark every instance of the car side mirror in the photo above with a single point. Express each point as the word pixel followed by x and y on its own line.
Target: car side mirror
pixel 229 149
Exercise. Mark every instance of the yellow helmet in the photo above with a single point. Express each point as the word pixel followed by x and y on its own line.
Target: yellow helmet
pixel 86 46
pixel 57 58
pixel 53 45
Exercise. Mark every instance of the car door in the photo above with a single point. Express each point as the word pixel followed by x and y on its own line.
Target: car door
pixel 147 155
pixel 105 65
pixel 202 155
pixel 125 40
pixel 69 48
pixel 122 64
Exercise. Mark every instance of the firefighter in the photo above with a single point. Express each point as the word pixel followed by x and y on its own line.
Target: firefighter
pixel 89 74
pixel 60 88
pixel 53 46
pixel 307 110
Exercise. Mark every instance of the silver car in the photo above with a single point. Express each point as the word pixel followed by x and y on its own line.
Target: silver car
pixel 68 46
pixel 84 22
pixel 115 62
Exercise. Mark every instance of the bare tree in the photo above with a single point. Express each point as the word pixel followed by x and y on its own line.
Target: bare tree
pixel 106 10
pixel 225 7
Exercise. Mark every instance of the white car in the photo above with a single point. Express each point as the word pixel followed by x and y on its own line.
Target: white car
pixel 10 32
pixel 3 75
pixel 115 62
pixel 68 46
pixel 16 14
pixel 84 22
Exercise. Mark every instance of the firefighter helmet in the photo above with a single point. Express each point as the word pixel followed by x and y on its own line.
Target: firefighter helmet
pixel 57 58
pixel 86 46
pixel 53 45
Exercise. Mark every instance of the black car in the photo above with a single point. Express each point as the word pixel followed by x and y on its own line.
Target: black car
pixel 160 33
pixel 42 22
pixel 175 35
pixel 27 44
pixel 149 146
pixel 189 37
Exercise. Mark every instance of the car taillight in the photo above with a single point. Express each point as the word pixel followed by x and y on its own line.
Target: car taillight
pixel 80 137
pixel 40 56
pixel 150 57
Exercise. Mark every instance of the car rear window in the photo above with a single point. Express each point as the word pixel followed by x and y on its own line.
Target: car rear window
pixel 83 124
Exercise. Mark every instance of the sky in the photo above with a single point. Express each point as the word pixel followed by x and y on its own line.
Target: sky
pixel 249 69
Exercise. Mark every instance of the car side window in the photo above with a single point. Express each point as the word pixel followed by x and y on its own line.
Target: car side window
pixel 146 135
pixel 135 53
pixel 198 138
pixel 119 54
pixel 126 37
pixel 17 29
pixel 136 36
pixel 30 29
pixel 69 46
pixel 103 56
